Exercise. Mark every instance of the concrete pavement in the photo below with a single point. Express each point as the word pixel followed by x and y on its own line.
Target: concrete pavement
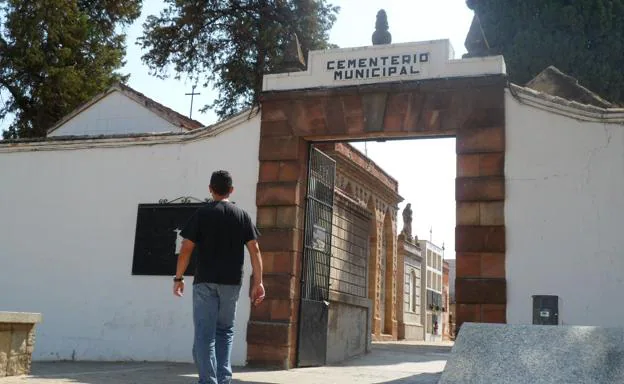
pixel 392 363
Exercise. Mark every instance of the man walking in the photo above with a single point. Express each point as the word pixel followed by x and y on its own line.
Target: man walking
pixel 220 230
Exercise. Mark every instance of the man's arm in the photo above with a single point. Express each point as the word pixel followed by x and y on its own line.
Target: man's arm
pixel 257 290
pixel 184 259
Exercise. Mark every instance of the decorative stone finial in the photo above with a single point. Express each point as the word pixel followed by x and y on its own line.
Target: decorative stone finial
pixel 381 34
pixel 407 222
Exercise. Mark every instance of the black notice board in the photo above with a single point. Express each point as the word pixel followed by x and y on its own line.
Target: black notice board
pixel 157 238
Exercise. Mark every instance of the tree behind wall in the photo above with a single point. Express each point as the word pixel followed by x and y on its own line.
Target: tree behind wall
pixel 56 55
pixel 231 44
pixel 583 38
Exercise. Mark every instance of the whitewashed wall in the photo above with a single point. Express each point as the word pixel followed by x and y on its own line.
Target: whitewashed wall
pixel 115 113
pixel 564 216
pixel 67 228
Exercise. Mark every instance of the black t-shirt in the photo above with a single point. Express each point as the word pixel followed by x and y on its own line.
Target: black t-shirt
pixel 220 230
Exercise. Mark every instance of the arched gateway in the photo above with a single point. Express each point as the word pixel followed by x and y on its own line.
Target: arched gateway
pixel 381 92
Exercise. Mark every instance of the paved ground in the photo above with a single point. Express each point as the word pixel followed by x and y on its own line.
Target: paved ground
pixel 391 363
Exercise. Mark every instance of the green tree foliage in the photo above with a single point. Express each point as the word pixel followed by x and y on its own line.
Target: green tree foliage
pixel 231 44
pixel 583 38
pixel 56 55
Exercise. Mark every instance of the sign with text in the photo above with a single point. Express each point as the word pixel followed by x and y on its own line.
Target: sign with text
pixel 383 63
pixel 378 66
pixel 157 240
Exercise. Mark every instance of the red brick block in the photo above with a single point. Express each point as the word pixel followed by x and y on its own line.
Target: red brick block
pixel 279 286
pixel 480 239
pixel 468 165
pixel 269 171
pixel 467 213
pixel 468 313
pixel 476 165
pixel 355 124
pixel 481 139
pixel 266 217
pixel 281 193
pixel 479 189
pixel 280 240
pixel 481 290
pixel 267 262
pixel 286 262
pixel 485 114
pixel 315 108
pixel 292 170
pixel 413 112
pixel 492 164
pixel 275 129
pixel 334 115
pixel 268 356
pixel 352 105
pixel 492 213
pixel 280 148
pixel 398 103
pixel 271 333
pixel 261 312
pixel 494 313
pixel 493 265
pixel 393 123
pixel 273 111
pixel 289 217
pixel 282 310
pixel 468 265
pixel 282 262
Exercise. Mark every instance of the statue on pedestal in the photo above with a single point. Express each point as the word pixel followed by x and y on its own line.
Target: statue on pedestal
pixel 407 222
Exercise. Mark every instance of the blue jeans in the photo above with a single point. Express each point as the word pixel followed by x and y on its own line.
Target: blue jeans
pixel 214 310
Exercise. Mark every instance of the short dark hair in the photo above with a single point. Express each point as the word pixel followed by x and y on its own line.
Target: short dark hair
pixel 221 182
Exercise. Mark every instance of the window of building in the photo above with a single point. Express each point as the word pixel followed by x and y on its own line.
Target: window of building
pixel 411 285
pixel 413 292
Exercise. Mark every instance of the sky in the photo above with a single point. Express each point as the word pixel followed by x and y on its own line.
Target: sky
pixel 409 20
pixel 425 169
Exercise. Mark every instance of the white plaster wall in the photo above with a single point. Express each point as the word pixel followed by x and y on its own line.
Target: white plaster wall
pixel 564 216
pixel 67 228
pixel 115 114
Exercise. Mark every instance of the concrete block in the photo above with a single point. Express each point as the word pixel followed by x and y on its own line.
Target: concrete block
pixel 20 317
pixel 520 354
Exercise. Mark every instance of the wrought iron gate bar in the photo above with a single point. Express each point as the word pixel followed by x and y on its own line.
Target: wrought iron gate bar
pixel 315 276
pixel 318 227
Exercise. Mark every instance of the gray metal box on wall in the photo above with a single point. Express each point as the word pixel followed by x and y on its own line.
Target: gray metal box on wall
pixel 546 310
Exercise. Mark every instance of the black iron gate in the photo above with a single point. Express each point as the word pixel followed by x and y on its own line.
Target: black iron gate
pixel 314 310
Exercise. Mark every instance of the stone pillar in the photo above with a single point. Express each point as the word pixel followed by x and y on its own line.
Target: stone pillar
pixel 480 196
pixel 17 342
pixel 272 329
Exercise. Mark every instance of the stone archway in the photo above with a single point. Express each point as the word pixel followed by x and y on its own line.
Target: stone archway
pixel 469 108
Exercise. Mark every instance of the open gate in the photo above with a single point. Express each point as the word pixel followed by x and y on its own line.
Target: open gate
pixel 314 307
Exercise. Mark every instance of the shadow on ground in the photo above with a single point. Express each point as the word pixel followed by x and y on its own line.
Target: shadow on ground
pixel 422 378
pixel 109 373
pixel 388 354
pixel 391 363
